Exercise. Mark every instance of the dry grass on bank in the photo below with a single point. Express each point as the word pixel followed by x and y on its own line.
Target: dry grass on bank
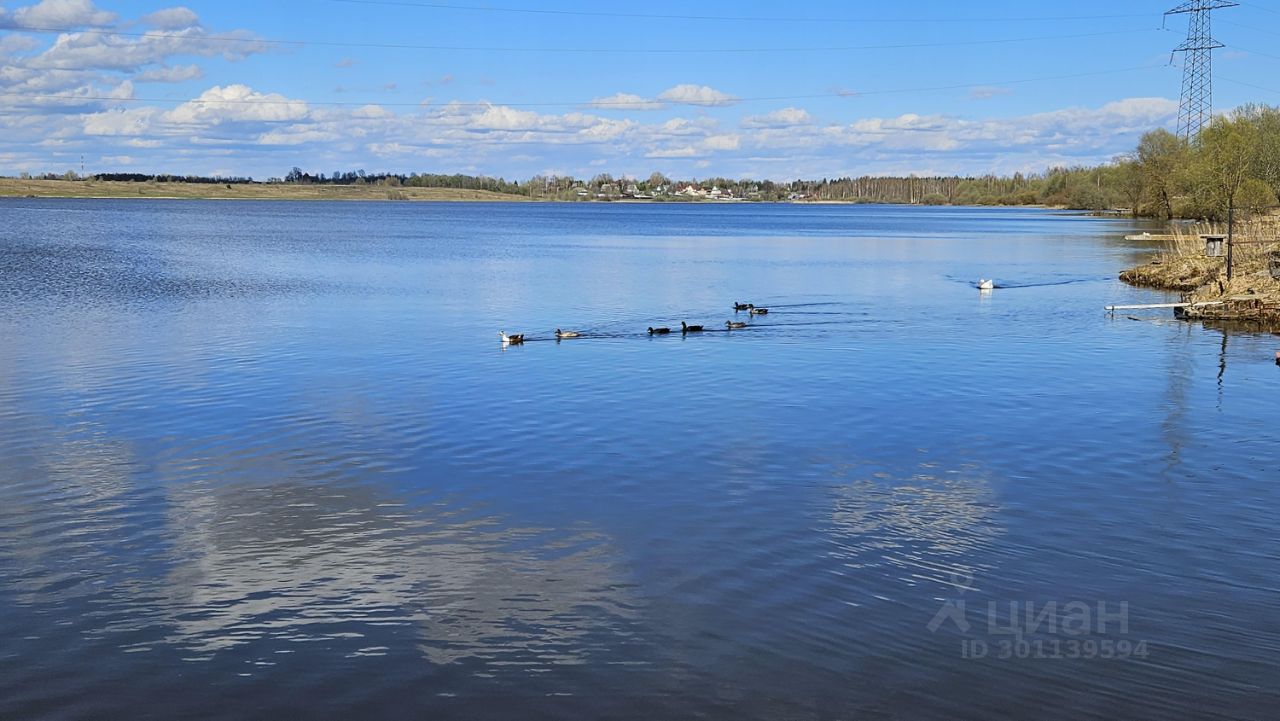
pixel 1252 293
pixel 11 187
pixel 1182 264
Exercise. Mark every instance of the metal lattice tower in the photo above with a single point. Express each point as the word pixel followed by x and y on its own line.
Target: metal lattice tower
pixel 1197 71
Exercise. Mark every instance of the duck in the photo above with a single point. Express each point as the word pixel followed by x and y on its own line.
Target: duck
pixel 659 331
pixel 513 339
pixel 734 325
pixel 567 333
pixel 759 311
pixel 742 306
pixel 686 328
pixel 986 284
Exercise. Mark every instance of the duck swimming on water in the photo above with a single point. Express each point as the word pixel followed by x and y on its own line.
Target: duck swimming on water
pixel 513 339
pixel 659 331
pixel 567 333
pixel 686 328
pixel 742 306
pixel 759 311
pixel 986 284
pixel 734 325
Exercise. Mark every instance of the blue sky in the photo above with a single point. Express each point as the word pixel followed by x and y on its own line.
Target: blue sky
pixel 512 88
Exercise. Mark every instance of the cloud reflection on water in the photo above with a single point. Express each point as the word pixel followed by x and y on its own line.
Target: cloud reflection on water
pixel 293 562
pixel 913 524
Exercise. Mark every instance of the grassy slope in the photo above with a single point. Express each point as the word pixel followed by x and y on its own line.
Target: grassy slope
pixel 109 189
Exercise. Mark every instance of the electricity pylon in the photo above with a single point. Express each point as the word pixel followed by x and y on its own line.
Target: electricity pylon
pixel 1196 107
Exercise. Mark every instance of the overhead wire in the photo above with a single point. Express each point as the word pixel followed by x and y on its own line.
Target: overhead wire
pixel 599 104
pixel 571 50
pixel 732 18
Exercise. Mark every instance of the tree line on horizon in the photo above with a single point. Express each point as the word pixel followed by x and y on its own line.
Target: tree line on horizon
pixel 1233 163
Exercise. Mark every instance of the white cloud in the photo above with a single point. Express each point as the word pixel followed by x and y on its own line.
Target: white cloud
pixel 626 101
pixel 784 118
pixel 261 133
pixel 172 18
pixel 84 72
pixel 237 103
pixel 696 95
pixel 1073 135
pixel 392 150
pixel 133 122
pixel 10 44
pixel 297 135
pixel 684 127
pixel 687 151
pixel 501 117
pixel 175 74
pixel 88 51
pixel 371 112
pixel 722 142
pixel 602 129
pixel 61 14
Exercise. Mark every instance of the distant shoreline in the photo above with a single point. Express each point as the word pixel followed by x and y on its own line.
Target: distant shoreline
pixel 126 190
pixel 122 190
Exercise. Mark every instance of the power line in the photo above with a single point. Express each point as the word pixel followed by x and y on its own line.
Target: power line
pixel 733 18
pixel 622 105
pixel 1253 52
pixel 565 50
pixel 1248 85
pixel 1247 26
pixel 1259 7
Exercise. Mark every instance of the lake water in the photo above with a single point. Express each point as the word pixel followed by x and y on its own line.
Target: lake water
pixel 270 460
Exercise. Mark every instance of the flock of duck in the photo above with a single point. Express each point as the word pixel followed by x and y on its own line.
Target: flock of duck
pixel 685 328
pixel 984 284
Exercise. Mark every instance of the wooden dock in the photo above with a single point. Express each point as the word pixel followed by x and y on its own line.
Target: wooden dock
pixel 1151 236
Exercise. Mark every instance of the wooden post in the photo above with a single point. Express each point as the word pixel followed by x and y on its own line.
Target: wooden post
pixel 1231 218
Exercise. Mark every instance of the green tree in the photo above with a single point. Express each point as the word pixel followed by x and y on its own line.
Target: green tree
pixel 1226 154
pixel 1130 182
pixel 1161 155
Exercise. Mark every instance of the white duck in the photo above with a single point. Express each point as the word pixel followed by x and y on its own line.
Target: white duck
pixel 986 284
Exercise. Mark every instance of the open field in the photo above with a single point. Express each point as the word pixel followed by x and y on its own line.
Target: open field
pixel 10 187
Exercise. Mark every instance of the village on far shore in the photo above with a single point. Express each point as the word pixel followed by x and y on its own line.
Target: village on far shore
pixel 688 191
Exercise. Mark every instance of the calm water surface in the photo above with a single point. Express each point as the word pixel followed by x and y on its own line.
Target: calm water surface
pixel 269 460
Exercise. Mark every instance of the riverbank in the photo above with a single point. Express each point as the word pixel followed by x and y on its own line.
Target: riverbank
pixel 1252 295
pixel 15 188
